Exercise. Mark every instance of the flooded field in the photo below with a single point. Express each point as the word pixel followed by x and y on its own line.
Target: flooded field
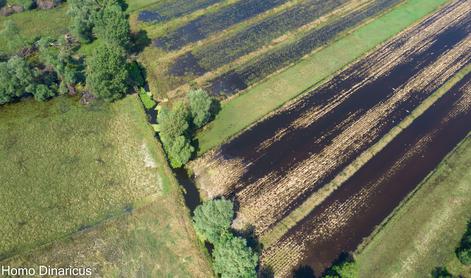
pixel 277 164
pixel 170 9
pixel 254 71
pixel 352 212
pixel 205 25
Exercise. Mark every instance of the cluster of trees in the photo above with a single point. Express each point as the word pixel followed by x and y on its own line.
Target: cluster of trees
pixel 51 71
pixel 177 125
pixel 231 255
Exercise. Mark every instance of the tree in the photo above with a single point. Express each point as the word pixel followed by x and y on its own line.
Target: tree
pixel 107 74
pixel 111 25
pixel 82 13
pixel 464 251
pixel 16 79
pixel 213 218
pixel 11 34
pixel 174 122
pixel 179 151
pixel 200 107
pixel 233 258
pixel 345 267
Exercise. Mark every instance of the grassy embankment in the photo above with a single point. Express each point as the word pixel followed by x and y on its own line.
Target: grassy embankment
pixel 245 109
pixel 313 201
pixel 66 168
pixel 424 232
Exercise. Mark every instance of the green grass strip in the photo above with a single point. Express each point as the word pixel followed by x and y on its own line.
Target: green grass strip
pixel 315 199
pixel 247 108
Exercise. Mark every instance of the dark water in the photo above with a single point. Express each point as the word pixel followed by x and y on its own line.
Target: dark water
pixel 173 8
pixel 255 36
pixel 297 145
pixel 192 195
pixel 263 66
pixel 389 182
pixel 206 25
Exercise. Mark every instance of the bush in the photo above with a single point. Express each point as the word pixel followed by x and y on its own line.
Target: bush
pixel 16 79
pixel 107 73
pixel 42 92
pixel 213 218
pixel 26 4
pixel 463 252
pixel 200 107
pixel 179 151
pixel 233 258
pixel 82 13
pixel 344 267
pixel 147 100
pixel 441 272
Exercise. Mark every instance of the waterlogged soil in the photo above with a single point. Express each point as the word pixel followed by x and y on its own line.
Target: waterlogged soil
pixel 253 37
pixel 277 164
pixel 352 212
pixel 206 25
pixel 236 80
pixel 173 8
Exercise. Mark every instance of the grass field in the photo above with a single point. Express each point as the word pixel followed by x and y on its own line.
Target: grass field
pixel 69 167
pixel 280 88
pixel 424 232
pixel 35 23
pixel 66 167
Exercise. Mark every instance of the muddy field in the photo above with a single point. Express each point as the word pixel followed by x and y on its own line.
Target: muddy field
pixel 243 43
pixel 277 164
pixel 351 213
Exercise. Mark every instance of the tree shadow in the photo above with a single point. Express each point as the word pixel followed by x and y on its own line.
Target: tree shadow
pixel 139 41
pixel 441 272
pixel 304 271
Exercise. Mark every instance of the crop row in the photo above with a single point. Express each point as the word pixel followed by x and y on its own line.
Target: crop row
pixel 172 9
pixel 205 25
pixel 253 37
pixel 235 80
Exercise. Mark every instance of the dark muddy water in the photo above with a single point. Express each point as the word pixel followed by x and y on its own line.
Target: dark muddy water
pixel 172 9
pixel 297 144
pixel 205 25
pixel 237 80
pixel 388 177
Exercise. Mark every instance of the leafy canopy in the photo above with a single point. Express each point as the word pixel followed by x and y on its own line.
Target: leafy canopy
pixel 112 25
pixel 107 73
pixel 233 258
pixel 213 218
pixel 16 79
pixel 200 107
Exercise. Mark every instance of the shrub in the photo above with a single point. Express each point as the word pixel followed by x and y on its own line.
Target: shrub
pixel 179 151
pixel 82 13
pixel 26 4
pixel 441 272
pixel 16 79
pixel 111 25
pixel 344 267
pixel 42 92
pixel 213 218
pixel 463 252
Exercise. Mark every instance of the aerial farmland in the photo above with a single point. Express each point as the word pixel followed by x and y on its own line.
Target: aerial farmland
pixel 235 138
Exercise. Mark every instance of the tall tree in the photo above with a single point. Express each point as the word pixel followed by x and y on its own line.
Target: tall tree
pixel 107 73
pixel 112 25
pixel 83 14
pixel 213 218
pixel 234 259
pixel 200 107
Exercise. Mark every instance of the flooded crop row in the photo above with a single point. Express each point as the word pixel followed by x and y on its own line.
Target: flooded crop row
pixel 172 9
pixel 352 212
pixel 254 71
pixel 206 25
pixel 217 54
pixel 277 164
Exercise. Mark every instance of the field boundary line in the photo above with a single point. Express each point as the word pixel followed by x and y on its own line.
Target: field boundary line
pixel 261 88
pixel 320 195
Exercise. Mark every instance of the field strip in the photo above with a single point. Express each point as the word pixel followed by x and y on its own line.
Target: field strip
pixel 224 32
pixel 351 213
pixel 155 30
pixel 449 184
pixel 314 200
pixel 274 92
pixel 283 40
